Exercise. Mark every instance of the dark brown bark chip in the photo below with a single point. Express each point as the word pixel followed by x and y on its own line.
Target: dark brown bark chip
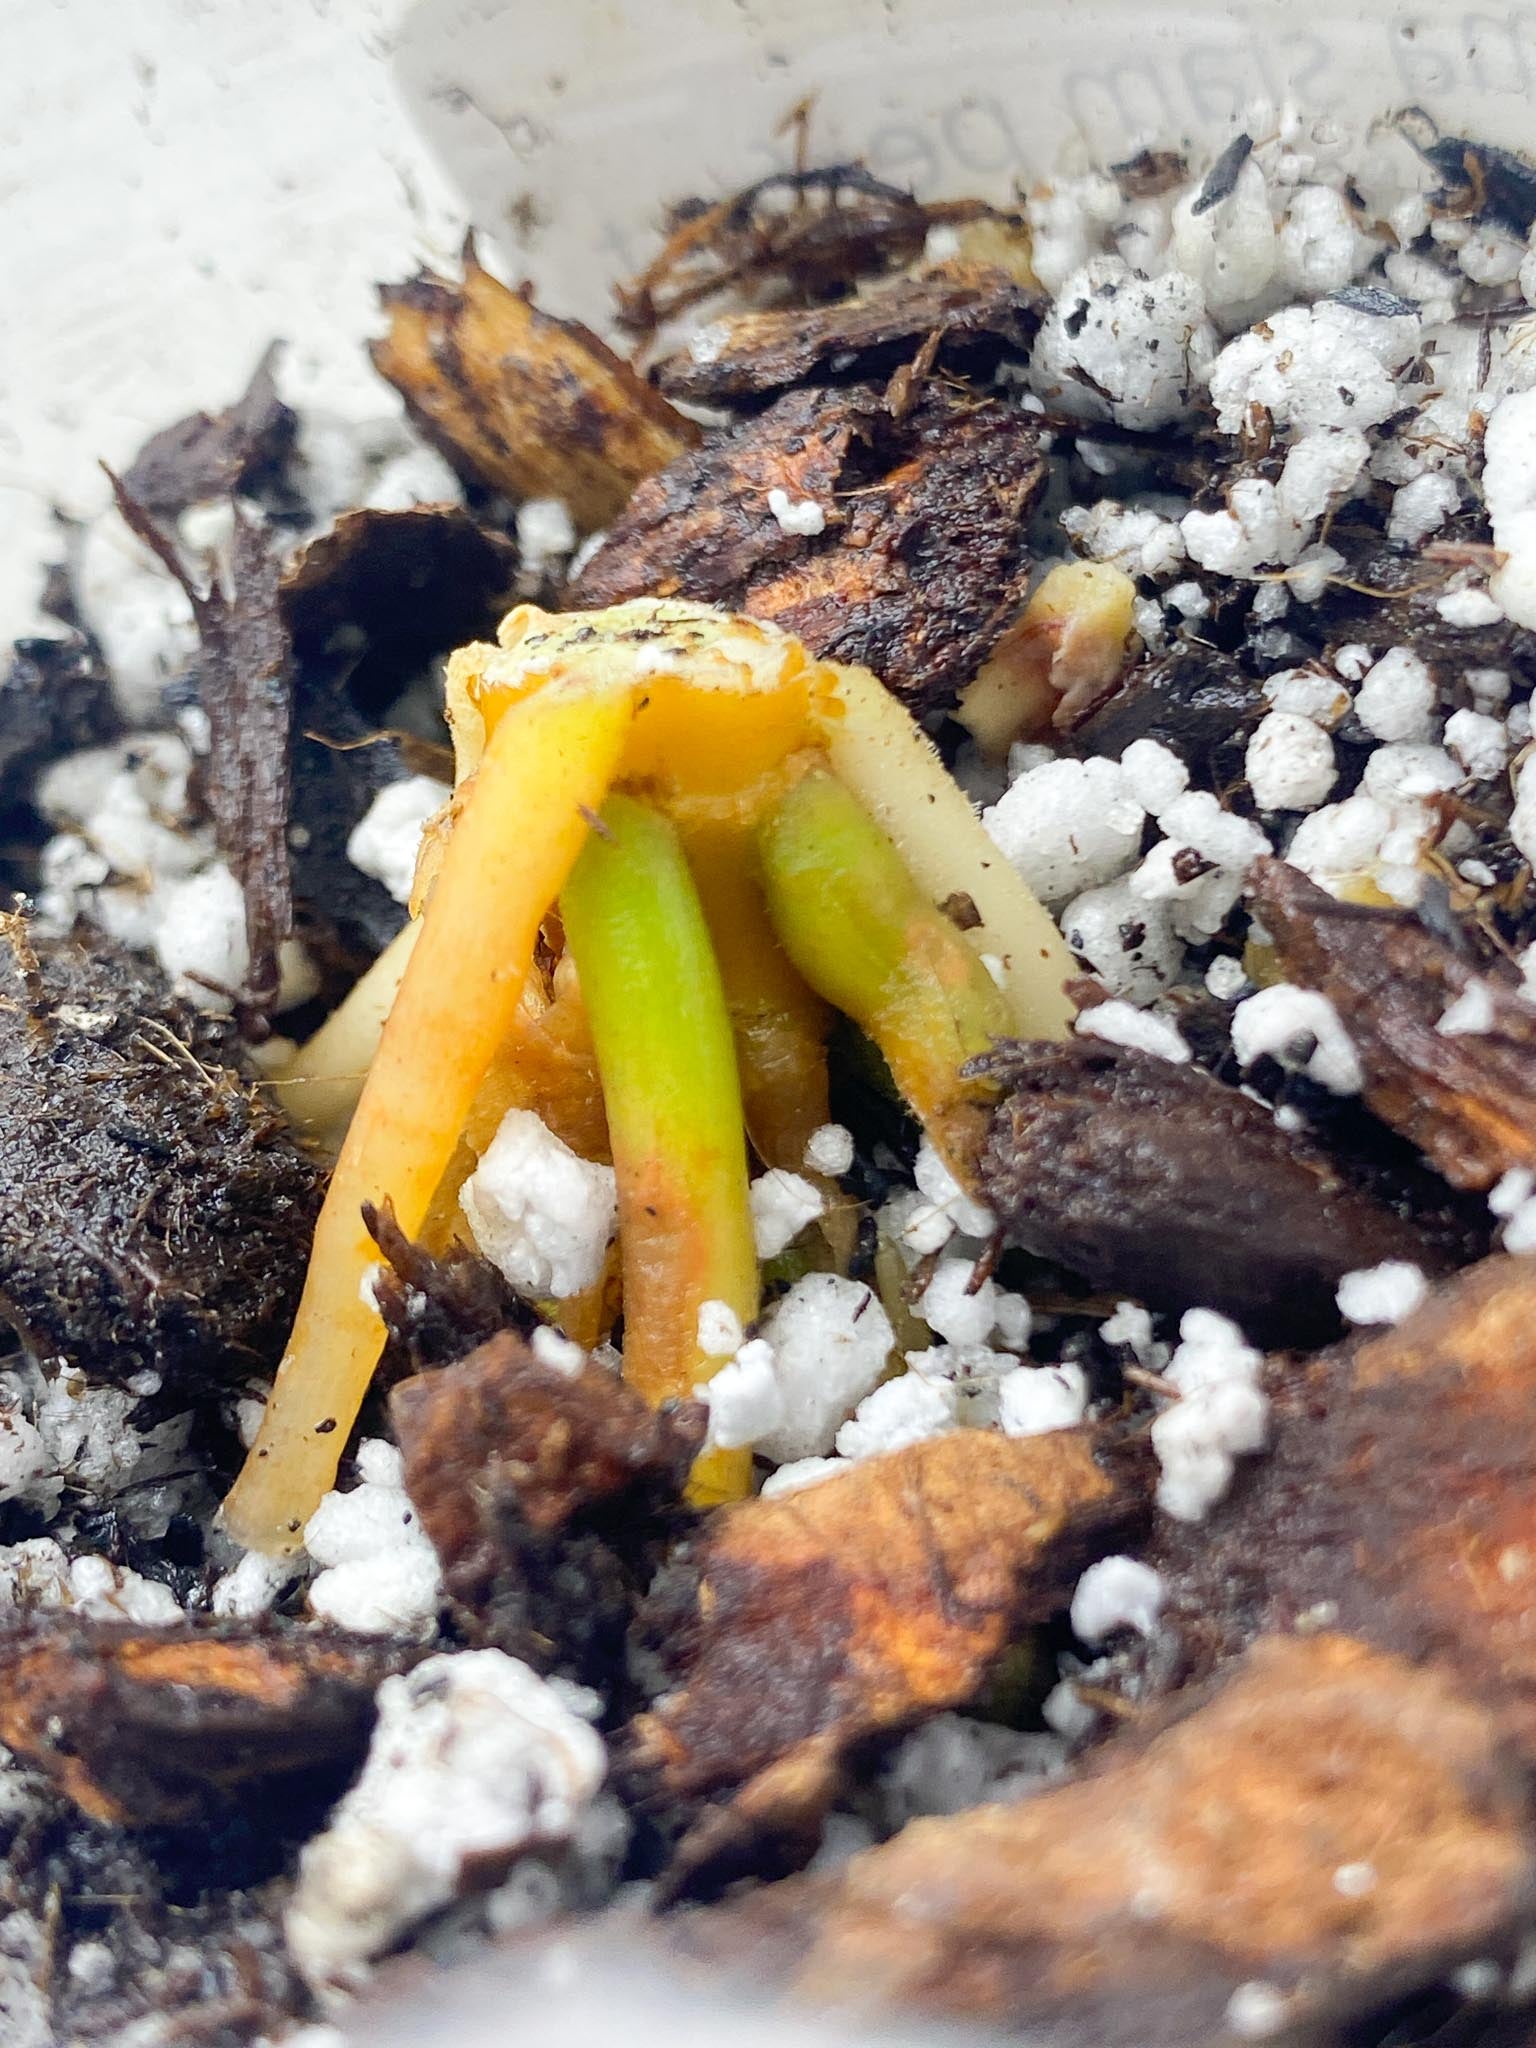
pixel 1387 597
pixel 244 687
pixel 978 314
pixel 391 590
pixel 1466 1099
pixel 55 697
pixel 211 455
pixel 437 1308
pixel 1196 700
pixel 547 1497
pixel 1197 1886
pixel 810 233
pixel 923 560
pixel 161 1726
pixel 793 1629
pixel 1158 1181
pixel 1394 1502
pixel 155 1214
pixel 370 607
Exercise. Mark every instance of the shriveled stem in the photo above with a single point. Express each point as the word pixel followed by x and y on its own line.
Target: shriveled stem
pixel 659 1022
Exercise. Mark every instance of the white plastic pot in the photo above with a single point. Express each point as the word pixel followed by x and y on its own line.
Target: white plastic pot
pixel 183 179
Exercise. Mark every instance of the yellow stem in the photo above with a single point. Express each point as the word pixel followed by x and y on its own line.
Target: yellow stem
pixel 521 824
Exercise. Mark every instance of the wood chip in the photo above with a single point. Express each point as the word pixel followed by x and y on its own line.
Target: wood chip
pixel 546 1496
pixel 522 403
pixel 1325 1831
pixel 974 315
pixel 1394 1501
pixel 921 561
pixel 159 1726
pixel 1466 1099
pixel 1159 1182
pixel 793 1628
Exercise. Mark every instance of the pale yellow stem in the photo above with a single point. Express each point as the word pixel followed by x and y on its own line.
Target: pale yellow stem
pixel 320 1086
pixel 894 770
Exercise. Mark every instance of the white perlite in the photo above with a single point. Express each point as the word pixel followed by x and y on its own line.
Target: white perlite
pixel 1511 1190
pixel 829 1150
pixel 1387 1293
pixel 104 1591
pixel 385 841
pixel 1301 1029
pixel 1397 699
pixel 1116 1593
pixel 1221 1415
pixel 1401 772
pixel 801 516
pixel 1310 692
pixel 1289 763
pixel 962 1310
pixel 1153 775
pixel 24 1459
pixel 1421 506
pixel 800 1473
pixel 474 1760
pixel 36 1577
pixel 1121 1023
pixel 1130 537
pixel 560 1353
pixel 1256 2010
pixel 1479 743
pixel 1067 826
pixel 1341 840
pixel 378 1572
pixel 1036 1400
pixel 899 1412
pixel 719 1330
pixel 915 1225
pixel 254 1585
pixel 1116 345
pixel 1226 978
pixel 1131 1325
pixel 1229 247
pixel 938 1185
pixel 1314 367
pixel 782 1204
pixel 1470 1015
pixel 953 1763
pixel 546 534
pixel 1520 1231
pixel 1129 943
pixel 1509 491
pixel 1522 823
pixel 744 1398
pixel 829 1339
pixel 1320 247
pixel 1268 525
pixel 539 1212
pixel 197 931
pixel 1198 870
pixel 1469 607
